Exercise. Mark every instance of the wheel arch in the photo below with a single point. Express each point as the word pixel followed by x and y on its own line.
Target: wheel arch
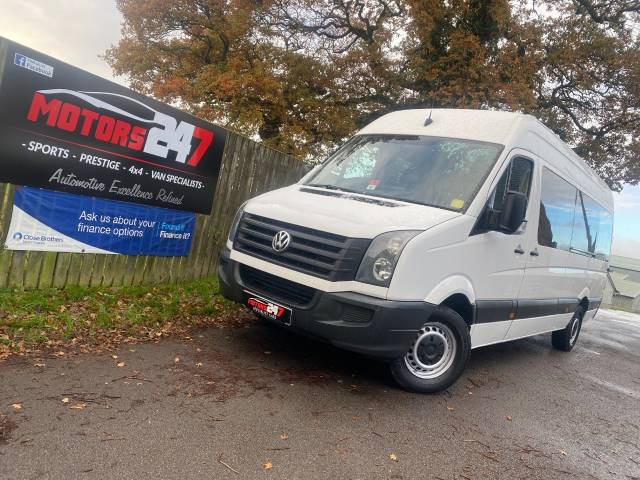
pixel 583 299
pixel 451 286
pixel 584 303
pixel 457 293
pixel 460 304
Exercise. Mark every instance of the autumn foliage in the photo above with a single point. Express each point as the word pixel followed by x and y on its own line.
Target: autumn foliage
pixel 303 75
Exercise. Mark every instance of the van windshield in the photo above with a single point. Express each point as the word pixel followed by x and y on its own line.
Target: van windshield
pixel 435 171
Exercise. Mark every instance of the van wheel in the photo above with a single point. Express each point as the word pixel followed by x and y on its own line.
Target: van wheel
pixel 438 354
pixel 566 338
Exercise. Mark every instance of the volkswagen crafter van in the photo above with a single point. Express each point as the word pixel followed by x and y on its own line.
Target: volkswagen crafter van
pixel 426 235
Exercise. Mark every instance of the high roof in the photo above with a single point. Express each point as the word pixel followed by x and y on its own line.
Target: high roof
pixel 483 125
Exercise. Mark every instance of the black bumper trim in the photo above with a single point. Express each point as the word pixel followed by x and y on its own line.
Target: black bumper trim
pixel 387 334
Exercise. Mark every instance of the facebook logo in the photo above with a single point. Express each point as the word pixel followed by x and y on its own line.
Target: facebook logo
pixel 33 65
pixel 20 60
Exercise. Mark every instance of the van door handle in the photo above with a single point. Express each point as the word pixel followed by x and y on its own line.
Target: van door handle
pixel 519 250
pixel 534 252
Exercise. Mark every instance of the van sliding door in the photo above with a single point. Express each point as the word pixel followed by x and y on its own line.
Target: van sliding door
pixel 553 273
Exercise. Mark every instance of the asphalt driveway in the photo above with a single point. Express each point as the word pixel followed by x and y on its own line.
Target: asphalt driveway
pixel 259 402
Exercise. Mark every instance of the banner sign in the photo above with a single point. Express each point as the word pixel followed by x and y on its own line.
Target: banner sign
pixel 61 222
pixel 62 128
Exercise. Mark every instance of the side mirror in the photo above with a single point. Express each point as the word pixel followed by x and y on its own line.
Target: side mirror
pixel 515 210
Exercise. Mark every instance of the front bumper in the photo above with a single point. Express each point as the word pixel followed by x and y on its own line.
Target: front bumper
pixel 352 321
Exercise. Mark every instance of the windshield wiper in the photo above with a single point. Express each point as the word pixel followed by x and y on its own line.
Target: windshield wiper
pixel 331 187
pixel 377 195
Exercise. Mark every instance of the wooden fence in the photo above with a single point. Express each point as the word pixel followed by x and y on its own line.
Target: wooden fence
pixel 248 168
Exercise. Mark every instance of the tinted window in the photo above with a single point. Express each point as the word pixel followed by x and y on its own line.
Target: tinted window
pixel 557 206
pixel 581 236
pixel 605 231
pixel 571 220
pixel 599 228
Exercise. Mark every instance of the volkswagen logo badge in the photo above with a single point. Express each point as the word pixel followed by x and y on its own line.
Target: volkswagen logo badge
pixel 281 241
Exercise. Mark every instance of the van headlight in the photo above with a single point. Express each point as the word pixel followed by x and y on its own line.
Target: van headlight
pixel 381 258
pixel 236 221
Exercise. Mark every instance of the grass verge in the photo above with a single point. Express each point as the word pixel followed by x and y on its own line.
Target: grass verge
pixel 91 319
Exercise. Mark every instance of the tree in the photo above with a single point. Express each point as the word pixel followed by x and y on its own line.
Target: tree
pixel 216 58
pixel 588 87
pixel 304 75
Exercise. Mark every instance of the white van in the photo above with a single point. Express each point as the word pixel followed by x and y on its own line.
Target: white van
pixel 426 235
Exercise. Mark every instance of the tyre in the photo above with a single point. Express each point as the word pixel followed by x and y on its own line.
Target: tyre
pixel 566 338
pixel 437 356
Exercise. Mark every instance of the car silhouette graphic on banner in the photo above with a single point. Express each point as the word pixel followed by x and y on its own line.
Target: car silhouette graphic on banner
pixel 158 135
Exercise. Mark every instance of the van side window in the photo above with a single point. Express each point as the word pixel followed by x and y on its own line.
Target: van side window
pixel 557 206
pixel 571 220
pixel 599 227
pixel 581 237
pixel 605 233
pixel 517 178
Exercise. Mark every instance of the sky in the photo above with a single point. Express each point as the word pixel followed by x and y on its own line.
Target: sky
pixel 79 31
pixel 75 31
pixel 626 229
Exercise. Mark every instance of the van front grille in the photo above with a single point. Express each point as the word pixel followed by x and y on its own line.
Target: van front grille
pixel 314 252
pixel 276 288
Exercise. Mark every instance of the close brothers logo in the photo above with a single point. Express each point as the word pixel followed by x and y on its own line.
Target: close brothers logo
pixel 157 135
pixel 27 238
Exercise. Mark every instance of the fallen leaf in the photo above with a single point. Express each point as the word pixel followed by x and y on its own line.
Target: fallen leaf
pixel 62 308
pixel 59 354
pixel 509 418
pixel 450 408
pixel 78 406
pixel 393 457
pixel 120 364
pixel 66 400
pixel 267 466
pixel 39 364
pixel 16 406
pixel 114 356
pixel 284 436
pixel 176 360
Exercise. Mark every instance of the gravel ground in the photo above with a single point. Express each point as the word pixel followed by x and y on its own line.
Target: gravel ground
pixel 259 402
